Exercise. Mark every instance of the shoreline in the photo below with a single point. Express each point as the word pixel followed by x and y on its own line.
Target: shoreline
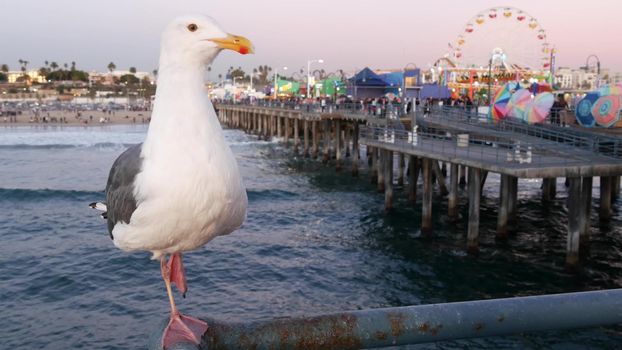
pixel 82 118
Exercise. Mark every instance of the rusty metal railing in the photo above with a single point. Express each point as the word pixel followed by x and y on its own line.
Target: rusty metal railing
pixel 418 324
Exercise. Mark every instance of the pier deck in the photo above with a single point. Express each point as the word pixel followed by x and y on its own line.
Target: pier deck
pixel 469 143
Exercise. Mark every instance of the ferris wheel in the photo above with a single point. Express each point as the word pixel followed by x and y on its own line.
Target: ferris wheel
pixel 508 36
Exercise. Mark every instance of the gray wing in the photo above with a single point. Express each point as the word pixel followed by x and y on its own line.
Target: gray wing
pixel 120 187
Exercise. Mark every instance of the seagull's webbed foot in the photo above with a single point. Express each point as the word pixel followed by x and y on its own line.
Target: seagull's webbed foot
pixel 183 329
pixel 180 328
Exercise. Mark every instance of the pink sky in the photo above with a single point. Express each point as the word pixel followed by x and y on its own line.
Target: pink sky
pixel 347 34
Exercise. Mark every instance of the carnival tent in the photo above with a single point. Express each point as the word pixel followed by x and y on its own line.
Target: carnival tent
pixel 366 84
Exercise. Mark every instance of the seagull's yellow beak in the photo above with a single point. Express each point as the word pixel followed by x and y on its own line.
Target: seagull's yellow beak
pixel 236 43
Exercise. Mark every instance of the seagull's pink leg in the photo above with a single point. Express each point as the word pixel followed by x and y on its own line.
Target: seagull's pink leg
pixel 180 328
pixel 178 276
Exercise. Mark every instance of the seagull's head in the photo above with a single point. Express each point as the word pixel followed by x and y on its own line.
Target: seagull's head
pixel 198 39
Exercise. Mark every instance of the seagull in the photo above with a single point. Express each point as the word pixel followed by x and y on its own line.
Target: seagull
pixel 181 187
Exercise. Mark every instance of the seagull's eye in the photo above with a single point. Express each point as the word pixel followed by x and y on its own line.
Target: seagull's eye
pixel 192 27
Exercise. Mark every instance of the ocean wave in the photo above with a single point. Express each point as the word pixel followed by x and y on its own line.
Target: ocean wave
pixel 19 194
pixel 233 143
pixel 100 145
pixel 270 194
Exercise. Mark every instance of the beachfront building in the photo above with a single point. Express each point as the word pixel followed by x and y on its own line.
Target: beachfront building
pixel 16 76
pixel 110 78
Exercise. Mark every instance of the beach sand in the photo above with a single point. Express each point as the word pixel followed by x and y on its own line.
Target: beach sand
pixel 72 118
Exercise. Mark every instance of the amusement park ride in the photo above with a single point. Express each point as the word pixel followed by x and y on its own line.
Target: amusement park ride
pixel 497 46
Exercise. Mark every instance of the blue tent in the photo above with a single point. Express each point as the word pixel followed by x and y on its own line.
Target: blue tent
pixel 366 84
pixel 367 78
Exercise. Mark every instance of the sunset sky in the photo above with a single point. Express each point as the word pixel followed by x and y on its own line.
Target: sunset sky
pixel 347 34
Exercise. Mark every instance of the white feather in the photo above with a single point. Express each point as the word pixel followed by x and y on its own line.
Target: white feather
pixel 99 206
pixel 189 189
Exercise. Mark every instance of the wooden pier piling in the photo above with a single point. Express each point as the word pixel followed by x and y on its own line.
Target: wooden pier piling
pixel 286 131
pixel 504 199
pixel 381 173
pixel 305 136
pixel 326 142
pixel 475 192
pixel 605 197
pixel 513 203
pixel 315 136
pixel 463 172
pixel 388 178
pixel 426 205
pixel 440 178
pixel 549 189
pixel 356 155
pixel 338 145
pixel 452 200
pixel 586 206
pixel 296 136
pixel 413 177
pixel 574 221
pixel 374 163
pixel 401 164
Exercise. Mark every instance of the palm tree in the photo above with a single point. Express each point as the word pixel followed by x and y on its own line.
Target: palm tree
pixel 46 63
pixel 24 67
pixel 4 68
pixel 23 64
pixel 133 70
pixel 111 67
pixel 263 71
pixel 54 65
pixel 66 66
pixel 73 65
pixel 155 73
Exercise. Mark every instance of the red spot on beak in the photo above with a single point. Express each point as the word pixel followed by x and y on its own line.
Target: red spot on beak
pixel 243 50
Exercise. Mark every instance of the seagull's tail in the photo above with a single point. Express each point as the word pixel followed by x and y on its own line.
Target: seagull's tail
pixel 101 207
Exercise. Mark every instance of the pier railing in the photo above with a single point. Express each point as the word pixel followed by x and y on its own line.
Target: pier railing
pixel 365 329
pixel 469 147
pixel 510 127
pixel 453 118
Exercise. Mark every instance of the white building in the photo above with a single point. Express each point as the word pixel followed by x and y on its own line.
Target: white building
pixel 563 78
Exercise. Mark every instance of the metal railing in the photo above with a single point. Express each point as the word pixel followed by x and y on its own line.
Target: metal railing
pixel 354 108
pixel 462 120
pixel 510 127
pixel 415 324
pixel 471 147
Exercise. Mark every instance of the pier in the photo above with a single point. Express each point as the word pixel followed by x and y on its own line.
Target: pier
pixel 447 148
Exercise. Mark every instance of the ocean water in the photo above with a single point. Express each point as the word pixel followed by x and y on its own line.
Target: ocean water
pixel 315 241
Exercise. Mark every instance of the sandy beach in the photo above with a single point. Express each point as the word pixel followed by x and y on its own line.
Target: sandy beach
pixel 93 118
